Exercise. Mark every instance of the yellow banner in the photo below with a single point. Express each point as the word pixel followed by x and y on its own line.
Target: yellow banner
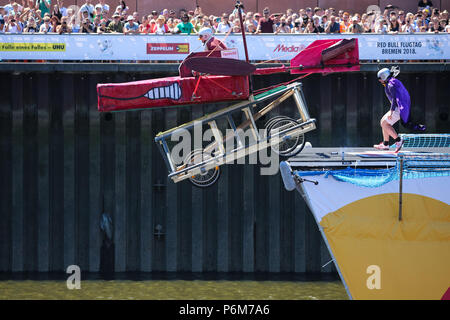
pixel 9 46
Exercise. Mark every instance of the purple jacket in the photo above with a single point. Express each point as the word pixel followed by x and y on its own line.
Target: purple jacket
pixel 399 97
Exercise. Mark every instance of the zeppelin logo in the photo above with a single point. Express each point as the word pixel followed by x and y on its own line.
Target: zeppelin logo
pixel 292 48
pixel 167 48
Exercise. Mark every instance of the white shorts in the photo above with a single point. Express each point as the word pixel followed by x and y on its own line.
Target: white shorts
pixel 395 117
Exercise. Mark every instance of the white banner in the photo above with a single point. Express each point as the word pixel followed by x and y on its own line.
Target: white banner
pixel 176 47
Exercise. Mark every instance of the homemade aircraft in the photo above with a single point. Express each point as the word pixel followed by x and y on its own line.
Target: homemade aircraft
pixel 208 77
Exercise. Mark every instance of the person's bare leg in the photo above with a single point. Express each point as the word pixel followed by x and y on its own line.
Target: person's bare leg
pixel 388 130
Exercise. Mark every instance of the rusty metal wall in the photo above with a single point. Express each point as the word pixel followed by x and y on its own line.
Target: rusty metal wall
pixel 61 162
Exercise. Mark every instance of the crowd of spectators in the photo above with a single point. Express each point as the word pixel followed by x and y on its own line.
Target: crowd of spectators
pixel 46 16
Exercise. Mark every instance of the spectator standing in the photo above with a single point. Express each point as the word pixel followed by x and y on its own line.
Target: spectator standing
pixel 64 26
pixel 61 7
pixel 45 27
pixel 309 27
pixel 9 7
pixel 102 27
pixel 394 26
pixel 86 26
pixel 185 26
pixel 316 24
pixel 332 26
pixel 255 19
pixel 266 23
pixel 199 23
pixel 13 26
pixel 44 6
pixel 442 24
pixel 408 27
pixel 224 26
pixel 136 17
pixel 73 24
pixel 355 27
pixel 345 23
pixel 381 26
pixel 160 26
pixel 145 27
pixel 98 11
pixel 424 4
pixel 105 7
pixel 171 25
pixel 250 28
pixel 122 9
pixel 31 26
pixel 447 28
pixel 297 26
pixel 54 21
pixel 130 27
pixel 401 18
pixel 444 15
pixel 89 8
pixel 115 26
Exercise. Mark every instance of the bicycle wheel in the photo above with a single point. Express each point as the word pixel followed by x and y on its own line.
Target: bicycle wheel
pixel 206 178
pixel 289 145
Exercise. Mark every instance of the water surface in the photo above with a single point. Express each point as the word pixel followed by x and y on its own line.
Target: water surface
pixel 174 290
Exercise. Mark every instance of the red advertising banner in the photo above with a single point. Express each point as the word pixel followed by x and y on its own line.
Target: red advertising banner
pixel 167 48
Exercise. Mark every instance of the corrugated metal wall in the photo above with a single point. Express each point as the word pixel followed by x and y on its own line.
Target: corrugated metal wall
pixel 61 162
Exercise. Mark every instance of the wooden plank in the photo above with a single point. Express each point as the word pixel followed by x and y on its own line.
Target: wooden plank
pixel 312 244
pixel 430 109
pixel 17 179
pixel 159 206
pixel 210 230
pixel 61 101
pixel 120 189
pixel 325 111
pixel 42 94
pixel 30 177
pixel 443 97
pixel 82 188
pixel 95 198
pixel 133 182
pixel 184 243
pixel 274 223
pixel 287 225
pixel 351 109
pixel 210 219
pixel 223 221
pixel 107 187
pixel 6 170
pixel 261 224
pixel 325 258
pixel 197 207
pixel 365 112
pixel 70 219
pixel 248 220
pixel 379 108
pixel 172 208
pixel 146 214
pixel 299 234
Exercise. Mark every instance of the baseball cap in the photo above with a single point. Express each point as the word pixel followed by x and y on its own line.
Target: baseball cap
pixel 355 19
pixel 130 18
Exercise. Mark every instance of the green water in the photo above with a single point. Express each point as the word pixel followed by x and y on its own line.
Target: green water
pixel 174 289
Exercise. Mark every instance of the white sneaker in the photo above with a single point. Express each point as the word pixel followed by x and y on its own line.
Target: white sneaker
pixel 381 146
pixel 399 145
